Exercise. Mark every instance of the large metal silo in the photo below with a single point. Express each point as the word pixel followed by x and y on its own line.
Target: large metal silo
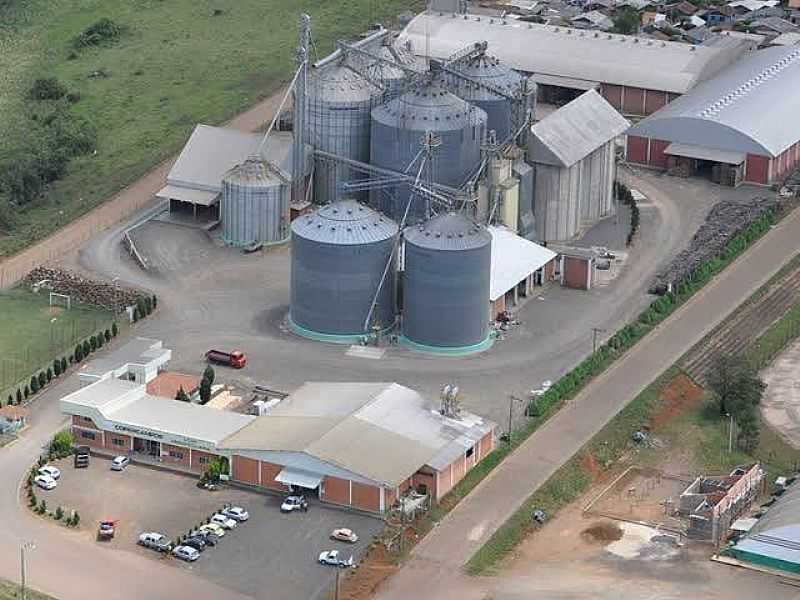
pixel 503 118
pixel 446 283
pixel 255 204
pixel 339 258
pixel 398 128
pixel 338 104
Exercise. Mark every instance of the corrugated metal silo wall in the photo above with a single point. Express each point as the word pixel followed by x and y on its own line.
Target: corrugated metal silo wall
pixel 597 171
pixel 342 128
pixel 394 147
pixel 524 173
pixel 499 116
pixel 254 213
pixel 446 296
pixel 332 286
pixel 556 200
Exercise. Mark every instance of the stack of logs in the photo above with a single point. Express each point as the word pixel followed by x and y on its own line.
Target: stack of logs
pixel 111 296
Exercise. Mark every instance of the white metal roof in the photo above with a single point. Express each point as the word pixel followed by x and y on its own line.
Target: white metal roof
pixel 184 194
pixel 575 130
pixel 138 351
pixel 575 53
pixel 751 107
pixel 513 259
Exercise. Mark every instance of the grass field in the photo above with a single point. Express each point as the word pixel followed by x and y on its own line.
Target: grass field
pixel 32 334
pixel 179 62
pixel 10 591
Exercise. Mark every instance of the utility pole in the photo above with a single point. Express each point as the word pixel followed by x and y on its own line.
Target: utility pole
pixel 595 331
pixel 22 548
pixel 336 593
pixel 730 434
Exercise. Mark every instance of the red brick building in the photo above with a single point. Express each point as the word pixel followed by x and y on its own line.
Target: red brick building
pixel 739 127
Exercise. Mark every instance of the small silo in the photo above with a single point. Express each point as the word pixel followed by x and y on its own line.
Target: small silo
pixel 500 110
pixel 339 256
pixel 446 283
pixel 255 204
pixel 398 128
pixel 338 103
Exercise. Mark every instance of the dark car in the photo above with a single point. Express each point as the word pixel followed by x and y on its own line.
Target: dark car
pixel 209 538
pixel 196 542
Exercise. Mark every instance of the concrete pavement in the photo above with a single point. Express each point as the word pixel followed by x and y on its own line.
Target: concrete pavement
pixel 439 557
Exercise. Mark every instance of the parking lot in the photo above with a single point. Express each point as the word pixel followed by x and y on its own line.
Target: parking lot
pixel 272 555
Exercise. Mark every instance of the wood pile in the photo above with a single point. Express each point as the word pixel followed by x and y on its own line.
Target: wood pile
pixel 80 289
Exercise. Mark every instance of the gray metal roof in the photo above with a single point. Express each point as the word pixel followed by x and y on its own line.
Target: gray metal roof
pixel 383 432
pixel 255 172
pixel 575 130
pixel 448 231
pixel 345 222
pixel 777 533
pixel 213 151
pixel 489 70
pixel 139 351
pixel 750 107
pixel 574 53
pixel 339 83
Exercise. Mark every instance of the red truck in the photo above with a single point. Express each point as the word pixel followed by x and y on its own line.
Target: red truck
pixel 236 359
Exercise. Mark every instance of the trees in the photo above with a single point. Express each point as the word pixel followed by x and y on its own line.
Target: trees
pixel 182 395
pixel 738 391
pixel 34 385
pixel 205 385
pixel 626 21
pixel 78 353
pixel 42 379
pixel 87 349
pixel 63 364
pixel 114 329
pixel 19 396
pixel 56 367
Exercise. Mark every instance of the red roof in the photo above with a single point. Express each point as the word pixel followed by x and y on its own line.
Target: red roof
pixel 166 384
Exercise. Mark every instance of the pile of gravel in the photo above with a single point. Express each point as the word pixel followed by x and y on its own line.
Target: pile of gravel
pixel 723 223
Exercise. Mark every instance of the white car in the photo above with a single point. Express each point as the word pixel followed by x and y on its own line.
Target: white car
pixel 217 530
pixel 186 553
pixel 119 463
pixel 223 521
pixel 50 471
pixel 344 535
pixel 45 482
pixel 237 513
pixel 156 541
pixel 331 558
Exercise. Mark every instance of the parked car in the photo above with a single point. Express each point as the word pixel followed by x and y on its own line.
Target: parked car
pixel 344 535
pixel 119 463
pixel 45 482
pixel 81 457
pixel 237 513
pixel 209 538
pixel 236 359
pixel 50 471
pixel 186 553
pixel 333 559
pixel 293 503
pixel 223 521
pixel 155 541
pixel 213 528
pixel 105 531
pixel 197 542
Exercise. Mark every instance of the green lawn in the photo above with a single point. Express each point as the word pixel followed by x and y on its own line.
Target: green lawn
pixel 179 63
pixel 10 591
pixel 32 334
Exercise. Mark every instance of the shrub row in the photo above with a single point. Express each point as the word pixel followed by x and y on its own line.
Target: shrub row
pixel 60 447
pixel 624 194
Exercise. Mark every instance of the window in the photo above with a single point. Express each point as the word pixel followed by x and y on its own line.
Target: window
pixel 176 454
pixel 118 442
pixel 88 435
pixel 203 460
pixel 87 419
pixel 470 451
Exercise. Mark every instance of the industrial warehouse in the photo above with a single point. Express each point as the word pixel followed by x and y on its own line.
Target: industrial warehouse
pixel 734 128
pixel 360 445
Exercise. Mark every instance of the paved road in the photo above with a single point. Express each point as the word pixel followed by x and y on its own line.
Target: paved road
pixel 438 558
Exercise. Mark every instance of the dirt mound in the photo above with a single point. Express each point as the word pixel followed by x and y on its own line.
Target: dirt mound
pixel 680 394
pixel 604 531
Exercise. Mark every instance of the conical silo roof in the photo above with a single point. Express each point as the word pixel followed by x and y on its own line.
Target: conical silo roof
pixel 448 231
pixel 346 222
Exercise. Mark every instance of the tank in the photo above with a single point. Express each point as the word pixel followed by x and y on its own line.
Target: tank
pixel 394 79
pixel 501 116
pixel 398 128
pixel 446 283
pixel 338 102
pixel 339 255
pixel 255 204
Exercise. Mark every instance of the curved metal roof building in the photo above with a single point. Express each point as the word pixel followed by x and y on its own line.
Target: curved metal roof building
pixel 749 107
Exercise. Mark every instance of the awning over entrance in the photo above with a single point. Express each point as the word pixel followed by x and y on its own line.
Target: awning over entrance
pixel 703 153
pixel 564 82
pixel 302 479
pixel 513 259
pixel 174 192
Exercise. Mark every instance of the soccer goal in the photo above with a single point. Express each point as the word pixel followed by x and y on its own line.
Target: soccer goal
pixel 60 300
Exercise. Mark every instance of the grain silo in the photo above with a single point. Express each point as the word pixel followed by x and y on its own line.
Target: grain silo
pixel 446 283
pixel 398 128
pixel 339 257
pixel 338 103
pixel 502 114
pixel 255 204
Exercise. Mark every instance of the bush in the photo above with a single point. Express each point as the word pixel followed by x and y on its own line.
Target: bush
pixel 27 392
pixel 19 396
pixel 76 518
pixel 42 507
pixel 155 302
pixel 104 31
pixel 59 514
pixel 56 367
pixel 48 88
pixel 64 364
pixel 114 330
pixel 107 335
pixel 148 305
pixel 93 343
pixel 100 340
pixel 42 379
pixel 34 384
pixel 87 348
pixel 78 353
pixel 61 444
pixel 49 374
pixel 141 307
